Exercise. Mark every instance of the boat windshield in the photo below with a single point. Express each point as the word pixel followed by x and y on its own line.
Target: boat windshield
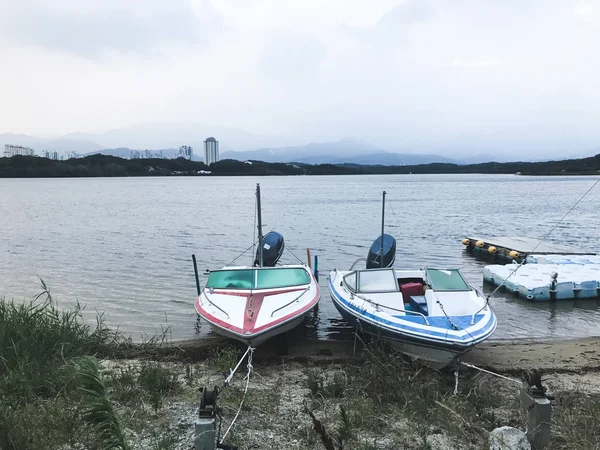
pixel 258 278
pixel 377 280
pixel 447 280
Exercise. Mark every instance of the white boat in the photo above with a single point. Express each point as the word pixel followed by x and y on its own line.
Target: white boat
pixel 252 304
pixel 431 314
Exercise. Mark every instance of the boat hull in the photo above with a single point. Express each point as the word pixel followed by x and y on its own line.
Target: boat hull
pixel 258 339
pixel 430 355
pixel 436 353
pixel 253 316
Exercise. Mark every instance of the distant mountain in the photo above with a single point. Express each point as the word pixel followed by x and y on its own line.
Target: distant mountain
pixel 60 144
pixel 347 150
pixel 173 135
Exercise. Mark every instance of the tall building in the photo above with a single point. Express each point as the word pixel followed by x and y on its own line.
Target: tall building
pixel 185 151
pixel 211 151
pixel 12 150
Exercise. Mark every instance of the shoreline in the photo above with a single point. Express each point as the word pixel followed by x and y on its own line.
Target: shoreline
pixel 504 356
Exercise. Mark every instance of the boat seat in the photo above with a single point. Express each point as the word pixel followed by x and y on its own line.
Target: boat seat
pixel 419 303
pixel 410 289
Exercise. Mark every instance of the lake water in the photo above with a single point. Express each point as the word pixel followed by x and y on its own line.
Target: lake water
pixel 123 246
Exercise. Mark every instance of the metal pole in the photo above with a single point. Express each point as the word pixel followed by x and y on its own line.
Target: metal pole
pixel 260 235
pixel 196 273
pixel 382 223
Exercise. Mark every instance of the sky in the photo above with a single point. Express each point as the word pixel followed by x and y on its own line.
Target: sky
pixel 424 75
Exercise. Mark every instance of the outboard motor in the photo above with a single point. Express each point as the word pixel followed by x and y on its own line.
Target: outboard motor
pixel 389 252
pixel 272 249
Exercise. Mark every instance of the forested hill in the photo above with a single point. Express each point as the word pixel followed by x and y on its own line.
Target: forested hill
pixel 111 166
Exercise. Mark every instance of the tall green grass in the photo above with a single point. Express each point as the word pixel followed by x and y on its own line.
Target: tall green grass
pixel 39 399
pixel 36 339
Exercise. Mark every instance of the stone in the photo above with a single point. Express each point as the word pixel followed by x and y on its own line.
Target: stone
pixel 508 438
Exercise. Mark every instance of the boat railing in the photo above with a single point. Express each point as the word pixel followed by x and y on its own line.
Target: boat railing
pixel 289 303
pixel 406 311
pixel 479 294
pixel 215 305
pixel 356 262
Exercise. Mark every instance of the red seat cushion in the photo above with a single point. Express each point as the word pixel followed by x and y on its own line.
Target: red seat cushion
pixel 410 289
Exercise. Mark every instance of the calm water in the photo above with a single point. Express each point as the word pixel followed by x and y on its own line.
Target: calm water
pixel 123 246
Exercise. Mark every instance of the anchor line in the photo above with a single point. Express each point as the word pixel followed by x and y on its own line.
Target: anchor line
pixel 242 254
pixel 454 327
pixel 293 254
pixel 250 351
pixel 472 366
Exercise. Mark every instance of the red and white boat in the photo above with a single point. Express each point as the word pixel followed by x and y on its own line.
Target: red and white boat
pixel 254 303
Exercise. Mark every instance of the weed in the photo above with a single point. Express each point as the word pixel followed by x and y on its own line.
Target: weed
pixel 315 381
pixel 124 385
pixel 164 439
pixel 337 386
pixel 345 428
pixel 576 421
pixel 224 359
pixel 190 375
pixel 157 382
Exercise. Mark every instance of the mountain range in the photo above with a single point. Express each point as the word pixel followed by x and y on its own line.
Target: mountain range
pixel 348 150
pixel 241 145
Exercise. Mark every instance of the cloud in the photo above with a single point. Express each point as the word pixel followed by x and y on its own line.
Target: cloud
pixel 408 75
pixel 91 30
pixel 409 12
pixel 292 58
pixel 587 12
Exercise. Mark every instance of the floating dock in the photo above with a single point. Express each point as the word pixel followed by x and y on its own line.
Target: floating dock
pixel 538 271
pixel 517 248
pixel 545 282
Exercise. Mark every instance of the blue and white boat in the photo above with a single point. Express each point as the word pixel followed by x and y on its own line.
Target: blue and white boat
pixel 432 314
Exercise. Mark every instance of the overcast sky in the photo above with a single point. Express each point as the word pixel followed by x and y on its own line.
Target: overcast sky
pixel 439 74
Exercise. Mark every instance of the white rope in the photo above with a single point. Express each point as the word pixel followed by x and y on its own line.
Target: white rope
pixel 456 380
pixel 247 378
pixel 232 372
pixel 490 372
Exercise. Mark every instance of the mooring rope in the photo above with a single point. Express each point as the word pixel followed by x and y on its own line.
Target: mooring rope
pixel 294 255
pixel 250 349
pixel 490 372
pixel 247 378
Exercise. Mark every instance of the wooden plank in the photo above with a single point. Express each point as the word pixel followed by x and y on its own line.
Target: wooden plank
pixel 527 245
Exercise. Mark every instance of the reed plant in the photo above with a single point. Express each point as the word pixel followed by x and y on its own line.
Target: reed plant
pixel 39 398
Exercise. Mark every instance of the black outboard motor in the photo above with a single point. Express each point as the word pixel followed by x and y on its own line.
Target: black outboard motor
pixel 389 252
pixel 272 249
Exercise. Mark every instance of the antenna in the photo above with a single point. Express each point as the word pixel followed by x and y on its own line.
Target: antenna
pixel 260 235
pixel 382 223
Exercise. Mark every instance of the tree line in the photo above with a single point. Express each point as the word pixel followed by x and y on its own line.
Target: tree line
pixel 112 166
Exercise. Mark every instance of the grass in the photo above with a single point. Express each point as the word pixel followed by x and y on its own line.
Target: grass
pixel 576 421
pixel 383 402
pixel 37 383
pixel 400 399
